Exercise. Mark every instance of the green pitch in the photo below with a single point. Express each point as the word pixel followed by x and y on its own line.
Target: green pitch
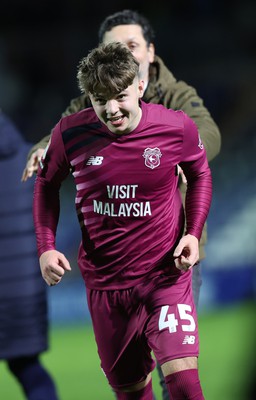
pixel 226 361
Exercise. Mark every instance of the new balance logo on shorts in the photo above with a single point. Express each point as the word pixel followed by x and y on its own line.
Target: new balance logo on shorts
pixel 95 160
pixel 189 339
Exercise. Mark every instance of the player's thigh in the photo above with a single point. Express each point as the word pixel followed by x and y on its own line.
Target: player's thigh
pixel 172 328
pixel 125 355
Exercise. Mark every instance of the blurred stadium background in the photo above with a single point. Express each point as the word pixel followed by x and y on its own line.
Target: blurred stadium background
pixel 211 45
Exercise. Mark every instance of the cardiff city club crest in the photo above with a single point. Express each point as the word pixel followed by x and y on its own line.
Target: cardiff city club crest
pixel 152 157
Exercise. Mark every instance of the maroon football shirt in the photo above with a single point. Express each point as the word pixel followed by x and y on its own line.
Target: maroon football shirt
pixel 127 202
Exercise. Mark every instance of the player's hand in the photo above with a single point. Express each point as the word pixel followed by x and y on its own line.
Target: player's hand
pixel 53 266
pixel 32 164
pixel 186 254
pixel 182 175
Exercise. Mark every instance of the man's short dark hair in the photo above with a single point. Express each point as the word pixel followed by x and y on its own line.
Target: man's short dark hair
pixel 127 17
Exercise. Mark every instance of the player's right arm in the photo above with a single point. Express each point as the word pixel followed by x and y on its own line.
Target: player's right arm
pixel 54 167
pixel 53 266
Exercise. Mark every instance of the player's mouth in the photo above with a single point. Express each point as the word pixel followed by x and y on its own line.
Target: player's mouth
pixel 116 121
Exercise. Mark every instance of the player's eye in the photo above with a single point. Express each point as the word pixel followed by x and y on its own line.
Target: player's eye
pixel 100 100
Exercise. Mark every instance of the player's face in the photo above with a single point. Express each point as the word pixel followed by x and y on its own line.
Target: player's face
pixel 121 113
pixel 132 36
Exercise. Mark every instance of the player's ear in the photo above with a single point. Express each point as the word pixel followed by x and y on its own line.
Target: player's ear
pixel 141 88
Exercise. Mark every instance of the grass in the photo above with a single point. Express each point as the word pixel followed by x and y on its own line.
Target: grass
pixel 225 363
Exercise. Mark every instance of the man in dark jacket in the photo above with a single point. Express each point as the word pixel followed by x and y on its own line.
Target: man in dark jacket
pixel 23 301
pixel 161 88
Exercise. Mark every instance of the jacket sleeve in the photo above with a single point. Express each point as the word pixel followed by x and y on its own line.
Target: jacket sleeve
pixel 185 98
pixel 77 104
pixel 40 145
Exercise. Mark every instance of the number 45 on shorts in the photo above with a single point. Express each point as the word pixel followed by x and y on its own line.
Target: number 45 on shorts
pixel 170 321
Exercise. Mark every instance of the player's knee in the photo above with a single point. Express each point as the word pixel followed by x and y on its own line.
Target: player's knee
pixel 179 364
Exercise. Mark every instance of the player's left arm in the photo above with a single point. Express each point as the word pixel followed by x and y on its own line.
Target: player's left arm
pixel 195 166
pixel 199 180
pixel 186 254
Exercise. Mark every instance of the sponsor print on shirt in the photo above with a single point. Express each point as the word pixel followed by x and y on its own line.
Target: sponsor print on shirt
pixel 125 209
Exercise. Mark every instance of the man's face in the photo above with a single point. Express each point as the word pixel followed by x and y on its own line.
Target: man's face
pixel 121 112
pixel 132 36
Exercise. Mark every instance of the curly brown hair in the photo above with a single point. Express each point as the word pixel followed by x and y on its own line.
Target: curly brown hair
pixel 109 68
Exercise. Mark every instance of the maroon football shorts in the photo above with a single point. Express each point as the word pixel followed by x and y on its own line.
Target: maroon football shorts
pixel 131 325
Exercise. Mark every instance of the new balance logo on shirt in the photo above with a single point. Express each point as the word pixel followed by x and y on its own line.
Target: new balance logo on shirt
pixel 95 160
pixel 189 339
